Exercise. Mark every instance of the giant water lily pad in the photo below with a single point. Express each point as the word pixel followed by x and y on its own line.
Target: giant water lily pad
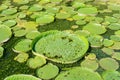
pixel 5 33
pixel 79 73
pixel 111 75
pixel 90 10
pixel 95 28
pixel 62 47
pixel 109 64
pixel 21 77
pixel 48 71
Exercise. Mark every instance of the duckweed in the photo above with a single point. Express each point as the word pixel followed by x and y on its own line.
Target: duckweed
pixel 48 71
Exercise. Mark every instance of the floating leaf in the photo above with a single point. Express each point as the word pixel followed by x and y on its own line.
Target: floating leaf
pixel 9 11
pixel 115 37
pixel 5 33
pixel 61 47
pixel 114 26
pixel 3 7
pixel 111 19
pixel 111 75
pixel 117 32
pixel 79 16
pixel 62 15
pixel 90 10
pixel 1 51
pixel 32 34
pixel 77 4
pixel 10 23
pixel 45 19
pixel 20 33
pixel 116 45
pixel 23 45
pixel 91 64
pixel 44 72
pixel 109 64
pixel 108 51
pixel 95 28
pixel 36 62
pixel 95 40
pixel 107 42
pixel 115 7
pixel 35 7
pixel 21 57
pixel 116 56
pixel 21 77
pixel 78 73
pixel 81 22
pixel 21 1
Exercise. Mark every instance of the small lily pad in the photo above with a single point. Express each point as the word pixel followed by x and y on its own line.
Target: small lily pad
pixel 116 55
pixel 3 7
pixel 107 42
pixel 20 33
pixel 48 71
pixel 36 62
pixel 21 1
pixel 62 15
pixel 53 9
pixel 82 33
pixel 117 32
pixel 81 22
pixel 108 51
pixel 1 51
pixel 23 45
pixel 9 11
pixel 56 1
pixel 78 73
pixel 32 34
pixel 91 64
pixel 10 23
pixel 45 19
pixel 21 77
pixel 77 4
pixel 95 40
pixel 21 57
pixel 35 7
pixel 95 28
pixel 111 75
pixel 7 33
pixel 111 19
pixel 90 10
pixel 79 16
pixel 114 26
pixel 115 37
pixel 109 64
pixel 115 7
pixel 21 15
pixel 116 46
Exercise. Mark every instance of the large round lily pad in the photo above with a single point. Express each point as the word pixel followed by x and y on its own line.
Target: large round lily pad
pixel 5 33
pixel 60 46
pixel 79 73
pixel 21 77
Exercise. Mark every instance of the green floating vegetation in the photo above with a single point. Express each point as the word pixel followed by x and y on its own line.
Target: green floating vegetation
pixel 60 46
pixel 111 75
pixel 84 33
pixel 88 11
pixel 115 37
pixel 117 32
pixel 21 77
pixel 7 33
pixel 116 55
pixel 114 26
pixel 23 45
pixel 1 51
pixel 9 11
pixel 35 7
pixel 20 33
pixel 78 73
pixel 21 57
pixel 111 19
pixel 10 23
pixel 116 45
pixel 108 51
pixel 95 28
pixel 95 40
pixel 109 64
pixel 36 62
pixel 48 71
pixel 21 2
pixel 107 42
